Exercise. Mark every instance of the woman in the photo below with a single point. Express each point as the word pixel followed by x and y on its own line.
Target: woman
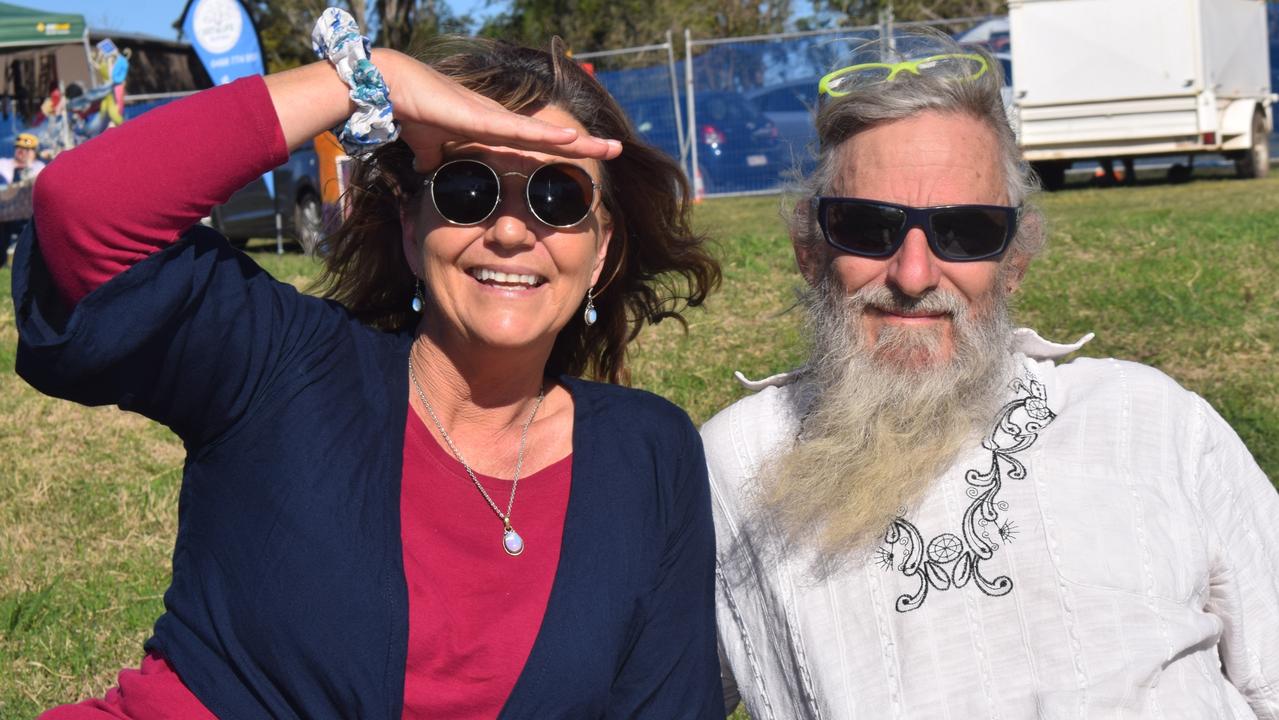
pixel 406 504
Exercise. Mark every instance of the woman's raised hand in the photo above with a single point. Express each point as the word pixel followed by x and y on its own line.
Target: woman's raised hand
pixel 432 110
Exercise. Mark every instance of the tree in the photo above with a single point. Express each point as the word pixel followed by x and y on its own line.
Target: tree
pixel 285 25
pixel 867 12
pixel 588 25
pixel 909 10
pixel 285 28
pixel 407 24
pixel 395 26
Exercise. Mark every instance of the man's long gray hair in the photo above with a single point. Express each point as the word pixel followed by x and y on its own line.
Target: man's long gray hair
pixel 944 88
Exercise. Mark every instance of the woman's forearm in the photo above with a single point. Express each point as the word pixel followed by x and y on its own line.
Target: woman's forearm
pixel 308 100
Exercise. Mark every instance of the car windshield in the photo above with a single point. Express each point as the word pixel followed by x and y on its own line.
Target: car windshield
pixel 786 99
pixel 718 108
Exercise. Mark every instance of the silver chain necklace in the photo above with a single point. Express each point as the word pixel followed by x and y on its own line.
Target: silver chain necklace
pixel 512 543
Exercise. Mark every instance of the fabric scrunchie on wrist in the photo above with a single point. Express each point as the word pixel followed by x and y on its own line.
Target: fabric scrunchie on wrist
pixel 337 38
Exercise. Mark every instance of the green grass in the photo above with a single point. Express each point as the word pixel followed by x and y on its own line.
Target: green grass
pixel 1183 277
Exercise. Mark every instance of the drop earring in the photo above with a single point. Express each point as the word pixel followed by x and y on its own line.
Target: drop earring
pixel 419 296
pixel 589 316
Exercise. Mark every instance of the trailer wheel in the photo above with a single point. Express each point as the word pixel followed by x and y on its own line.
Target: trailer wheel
pixel 1255 163
pixel 1052 175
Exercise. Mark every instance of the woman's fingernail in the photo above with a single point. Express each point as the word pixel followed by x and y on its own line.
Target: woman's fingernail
pixel 614 143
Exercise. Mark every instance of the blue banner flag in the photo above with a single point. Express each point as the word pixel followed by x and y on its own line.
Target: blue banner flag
pixel 225 38
pixel 226 41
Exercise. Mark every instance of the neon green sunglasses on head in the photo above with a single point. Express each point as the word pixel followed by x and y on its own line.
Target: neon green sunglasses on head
pixel 866 73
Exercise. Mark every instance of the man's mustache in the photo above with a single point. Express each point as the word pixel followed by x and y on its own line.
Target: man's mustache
pixel 890 299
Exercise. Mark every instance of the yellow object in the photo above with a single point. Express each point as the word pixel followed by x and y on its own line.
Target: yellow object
pixel 26 140
pixel 102 64
pixel 886 72
pixel 109 107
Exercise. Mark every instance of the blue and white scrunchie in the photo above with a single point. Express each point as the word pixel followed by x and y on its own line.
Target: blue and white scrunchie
pixel 337 38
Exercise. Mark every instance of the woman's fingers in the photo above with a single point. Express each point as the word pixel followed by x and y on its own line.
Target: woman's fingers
pixel 427 144
pixel 433 110
pixel 502 127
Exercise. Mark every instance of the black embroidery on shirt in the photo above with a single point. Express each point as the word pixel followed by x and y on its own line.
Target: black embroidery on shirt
pixel 1008 531
pixel 884 557
pixel 949 560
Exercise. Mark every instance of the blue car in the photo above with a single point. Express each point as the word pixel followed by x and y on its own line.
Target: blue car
pixel 738 148
pixel 791 106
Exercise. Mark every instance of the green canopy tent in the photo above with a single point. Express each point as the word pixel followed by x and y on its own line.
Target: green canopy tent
pixel 38 51
pixel 25 27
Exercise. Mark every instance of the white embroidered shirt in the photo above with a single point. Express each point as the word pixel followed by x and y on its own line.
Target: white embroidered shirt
pixel 1110 551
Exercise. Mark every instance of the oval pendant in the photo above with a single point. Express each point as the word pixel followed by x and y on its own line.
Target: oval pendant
pixel 512 543
pixel 590 316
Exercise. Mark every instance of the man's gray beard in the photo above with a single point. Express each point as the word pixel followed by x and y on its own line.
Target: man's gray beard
pixel 885 421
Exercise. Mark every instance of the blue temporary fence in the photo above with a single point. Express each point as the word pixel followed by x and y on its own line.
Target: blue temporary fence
pixel 647 88
pixel 738 114
pixel 750 121
pixel 740 117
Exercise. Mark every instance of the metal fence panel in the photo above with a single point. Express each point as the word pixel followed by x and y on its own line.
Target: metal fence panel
pixel 751 119
pixel 751 115
pixel 643 81
pixel 739 115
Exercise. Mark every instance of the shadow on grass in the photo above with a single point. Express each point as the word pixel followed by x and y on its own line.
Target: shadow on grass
pixel 262 246
pixel 23 611
pixel 1176 174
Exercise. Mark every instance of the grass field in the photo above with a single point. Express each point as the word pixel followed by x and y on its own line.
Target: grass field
pixel 1182 277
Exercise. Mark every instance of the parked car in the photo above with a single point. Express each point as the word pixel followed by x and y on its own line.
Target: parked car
pixel 791 106
pixel 251 211
pixel 993 33
pixel 738 148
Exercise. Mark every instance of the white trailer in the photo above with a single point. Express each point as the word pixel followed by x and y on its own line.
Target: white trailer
pixel 1121 79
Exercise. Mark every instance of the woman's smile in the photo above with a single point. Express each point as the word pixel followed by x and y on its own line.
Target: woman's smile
pixel 508 279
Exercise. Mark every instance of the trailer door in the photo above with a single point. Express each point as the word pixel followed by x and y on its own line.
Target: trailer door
pixel 1080 51
pixel 1236 48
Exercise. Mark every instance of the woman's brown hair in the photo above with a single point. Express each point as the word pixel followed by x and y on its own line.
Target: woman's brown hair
pixel 656 265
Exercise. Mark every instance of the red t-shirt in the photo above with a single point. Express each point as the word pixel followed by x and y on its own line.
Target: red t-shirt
pixel 474 610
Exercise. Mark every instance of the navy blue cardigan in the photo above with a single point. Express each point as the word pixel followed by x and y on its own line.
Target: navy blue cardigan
pixel 288 597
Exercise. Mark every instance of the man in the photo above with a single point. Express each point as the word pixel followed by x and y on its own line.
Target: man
pixel 933 519
pixel 23 165
pixel 15 203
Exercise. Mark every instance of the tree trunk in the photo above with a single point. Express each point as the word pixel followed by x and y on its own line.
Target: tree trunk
pixel 395 23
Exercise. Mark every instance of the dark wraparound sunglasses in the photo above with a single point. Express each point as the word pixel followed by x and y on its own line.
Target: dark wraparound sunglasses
pixel 874 229
pixel 466 192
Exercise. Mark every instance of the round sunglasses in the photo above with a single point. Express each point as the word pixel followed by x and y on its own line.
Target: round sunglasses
pixel 558 194
pixel 874 229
